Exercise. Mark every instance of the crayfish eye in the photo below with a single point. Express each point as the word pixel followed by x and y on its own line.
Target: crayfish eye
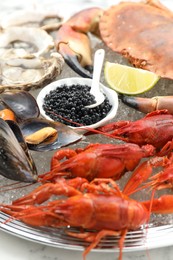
pixel 125 135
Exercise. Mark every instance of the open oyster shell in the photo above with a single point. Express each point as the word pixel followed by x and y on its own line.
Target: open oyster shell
pixel 39 40
pixel 35 18
pixel 29 73
pixel 27 59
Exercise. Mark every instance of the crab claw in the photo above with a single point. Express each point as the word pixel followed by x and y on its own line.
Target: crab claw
pixel 73 42
pixel 75 54
pixel 147 105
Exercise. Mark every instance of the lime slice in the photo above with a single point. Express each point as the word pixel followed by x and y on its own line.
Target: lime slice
pixel 129 80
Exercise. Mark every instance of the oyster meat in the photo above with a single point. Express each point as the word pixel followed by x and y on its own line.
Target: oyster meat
pixel 32 18
pixel 20 73
pixel 41 41
pixel 27 59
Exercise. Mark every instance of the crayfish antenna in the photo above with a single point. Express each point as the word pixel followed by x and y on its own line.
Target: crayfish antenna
pixel 88 129
pixel 151 203
pixel 13 186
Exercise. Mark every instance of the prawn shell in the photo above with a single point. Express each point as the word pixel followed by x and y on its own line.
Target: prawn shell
pixel 65 135
pixel 15 161
pixel 22 103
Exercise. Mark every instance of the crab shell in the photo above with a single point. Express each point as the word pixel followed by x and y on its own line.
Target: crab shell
pixel 142 32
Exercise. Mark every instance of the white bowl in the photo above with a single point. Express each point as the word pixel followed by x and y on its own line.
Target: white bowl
pixel 111 95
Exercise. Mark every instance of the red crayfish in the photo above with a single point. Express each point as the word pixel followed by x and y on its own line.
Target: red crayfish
pixel 97 161
pixel 156 128
pixel 99 206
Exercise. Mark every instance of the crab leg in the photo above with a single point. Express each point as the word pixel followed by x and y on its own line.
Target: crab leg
pixel 73 42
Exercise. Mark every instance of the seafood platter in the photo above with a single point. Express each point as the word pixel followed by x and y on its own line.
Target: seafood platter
pixel 106 188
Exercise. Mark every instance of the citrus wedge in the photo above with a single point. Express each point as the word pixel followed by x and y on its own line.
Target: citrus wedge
pixel 129 80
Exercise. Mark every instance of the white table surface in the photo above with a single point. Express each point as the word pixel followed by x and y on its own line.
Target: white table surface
pixel 15 248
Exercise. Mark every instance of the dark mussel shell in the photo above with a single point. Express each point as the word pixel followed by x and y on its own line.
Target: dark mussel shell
pixel 15 160
pixel 3 105
pixel 22 103
pixel 65 134
pixel 5 111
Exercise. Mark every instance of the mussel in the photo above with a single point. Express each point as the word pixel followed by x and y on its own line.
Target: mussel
pixel 22 103
pixel 5 111
pixel 16 162
pixel 47 135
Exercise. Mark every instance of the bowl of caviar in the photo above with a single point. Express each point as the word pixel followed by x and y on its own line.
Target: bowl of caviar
pixel 65 101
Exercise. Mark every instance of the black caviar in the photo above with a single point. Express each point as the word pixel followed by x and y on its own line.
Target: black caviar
pixel 69 102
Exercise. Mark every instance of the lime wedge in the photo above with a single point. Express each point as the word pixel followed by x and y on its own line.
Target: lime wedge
pixel 129 80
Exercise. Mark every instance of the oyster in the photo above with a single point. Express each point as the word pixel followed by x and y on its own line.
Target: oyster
pixel 38 40
pixel 26 58
pixel 20 73
pixel 45 19
pixel 15 161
